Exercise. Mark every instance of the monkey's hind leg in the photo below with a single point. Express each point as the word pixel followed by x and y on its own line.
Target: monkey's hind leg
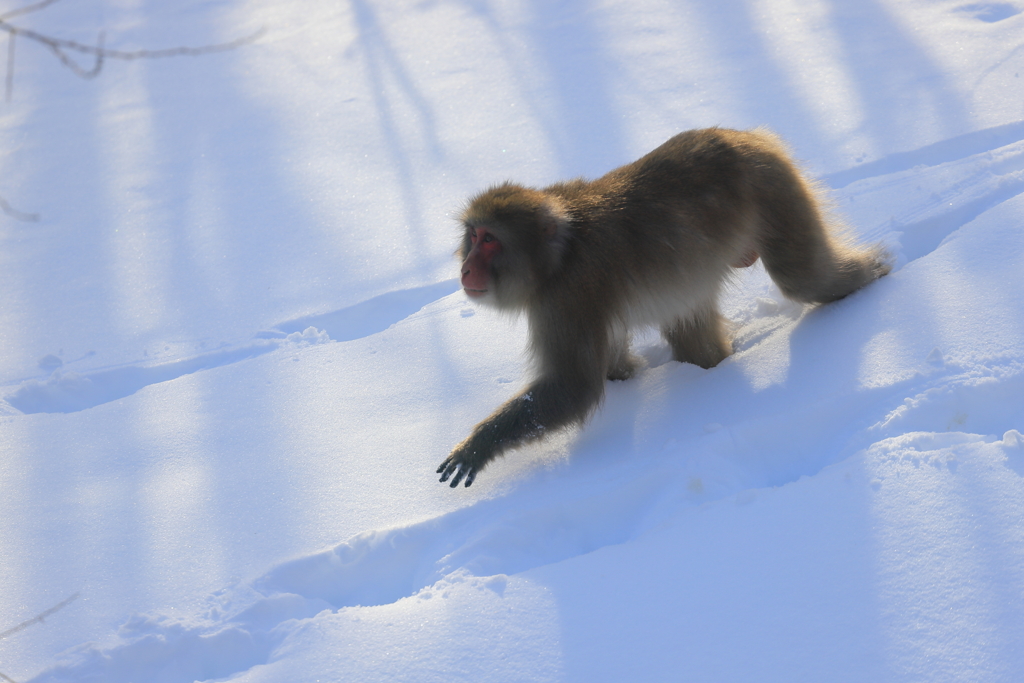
pixel 623 363
pixel 809 259
pixel 701 339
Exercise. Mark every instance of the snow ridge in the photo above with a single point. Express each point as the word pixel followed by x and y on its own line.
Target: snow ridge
pixel 66 392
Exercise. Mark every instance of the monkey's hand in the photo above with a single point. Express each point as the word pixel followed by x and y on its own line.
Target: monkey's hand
pixel 506 428
pixel 462 464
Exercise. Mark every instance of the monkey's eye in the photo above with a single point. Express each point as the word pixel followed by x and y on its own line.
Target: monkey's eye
pixel 488 237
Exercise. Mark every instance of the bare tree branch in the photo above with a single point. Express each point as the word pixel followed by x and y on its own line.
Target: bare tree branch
pixel 20 215
pixel 60 47
pixel 26 9
pixel 79 71
pixel 99 51
pixel 39 617
pixel 10 68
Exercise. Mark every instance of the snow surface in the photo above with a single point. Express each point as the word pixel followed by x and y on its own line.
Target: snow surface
pixel 234 354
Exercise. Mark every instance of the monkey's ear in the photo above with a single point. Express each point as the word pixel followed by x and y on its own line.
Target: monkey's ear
pixel 556 223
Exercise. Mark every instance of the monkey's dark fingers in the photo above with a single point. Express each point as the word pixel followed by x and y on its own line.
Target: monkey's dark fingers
pixel 463 469
pixel 459 469
pixel 447 467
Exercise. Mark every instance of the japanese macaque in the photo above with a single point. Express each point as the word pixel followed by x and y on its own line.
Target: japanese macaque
pixel 650 243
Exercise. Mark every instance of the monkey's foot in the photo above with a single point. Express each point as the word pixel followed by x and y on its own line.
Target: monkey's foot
pixel 461 469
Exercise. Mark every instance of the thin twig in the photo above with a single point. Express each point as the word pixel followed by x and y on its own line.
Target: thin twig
pixel 10 66
pixel 79 71
pixel 39 617
pixel 58 44
pixel 20 215
pixel 59 47
pixel 8 678
pixel 26 9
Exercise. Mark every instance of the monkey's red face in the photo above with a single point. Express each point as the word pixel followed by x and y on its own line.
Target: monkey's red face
pixel 476 269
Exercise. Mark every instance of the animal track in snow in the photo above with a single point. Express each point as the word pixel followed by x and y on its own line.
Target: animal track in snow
pixel 71 392
pixel 989 12
pixel 67 392
pixel 941 152
pixel 939 199
pixel 373 315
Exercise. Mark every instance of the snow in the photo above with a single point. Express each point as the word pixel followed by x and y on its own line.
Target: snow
pixel 234 352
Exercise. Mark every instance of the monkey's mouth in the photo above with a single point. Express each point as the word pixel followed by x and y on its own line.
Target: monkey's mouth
pixel 474 293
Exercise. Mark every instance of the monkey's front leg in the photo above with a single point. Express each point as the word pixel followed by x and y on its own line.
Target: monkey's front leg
pixel 544 405
pixel 514 423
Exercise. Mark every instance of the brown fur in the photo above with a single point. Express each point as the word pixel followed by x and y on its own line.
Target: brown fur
pixel 650 243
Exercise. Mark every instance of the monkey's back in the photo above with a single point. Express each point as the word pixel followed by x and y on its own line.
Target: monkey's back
pixel 674 220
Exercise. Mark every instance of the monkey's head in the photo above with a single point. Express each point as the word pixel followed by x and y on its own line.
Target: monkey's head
pixel 514 240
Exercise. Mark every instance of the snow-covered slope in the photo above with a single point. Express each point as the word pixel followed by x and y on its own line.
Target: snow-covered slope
pixel 233 354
